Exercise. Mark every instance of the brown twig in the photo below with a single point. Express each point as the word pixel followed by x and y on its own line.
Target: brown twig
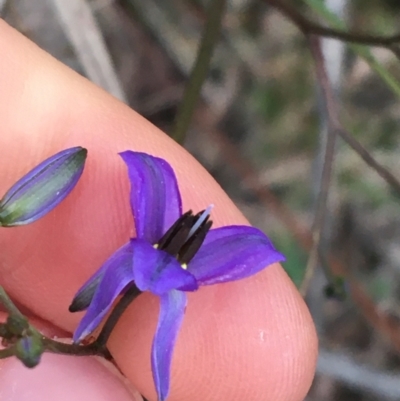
pixel 309 27
pixel 367 157
pixel 376 318
pixel 329 153
pixel 58 347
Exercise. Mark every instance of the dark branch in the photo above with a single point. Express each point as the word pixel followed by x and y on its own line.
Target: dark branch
pixel 329 152
pixel 309 27
pixel 215 13
pixel 116 313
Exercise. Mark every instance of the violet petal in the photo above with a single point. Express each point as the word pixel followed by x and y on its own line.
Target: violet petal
pixel 84 296
pixel 172 310
pixel 232 253
pixel 155 198
pixel 115 279
pixel 157 271
pixel 43 188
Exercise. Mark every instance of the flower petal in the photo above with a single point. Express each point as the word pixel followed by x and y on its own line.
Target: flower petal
pixel 84 296
pixel 232 253
pixel 157 271
pixel 172 310
pixel 116 278
pixel 43 188
pixel 155 198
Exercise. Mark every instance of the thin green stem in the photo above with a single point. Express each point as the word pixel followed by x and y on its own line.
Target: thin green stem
pixel 7 352
pixel 9 329
pixel 9 305
pixel 97 347
pixel 199 72
pixel 3 330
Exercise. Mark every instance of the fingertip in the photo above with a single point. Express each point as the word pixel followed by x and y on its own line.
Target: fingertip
pixel 62 378
pixel 250 340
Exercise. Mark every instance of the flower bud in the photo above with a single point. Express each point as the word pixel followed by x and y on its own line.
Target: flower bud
pixel 43 188
pixel 29 350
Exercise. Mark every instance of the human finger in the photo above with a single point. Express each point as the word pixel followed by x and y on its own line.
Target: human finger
pixel 254 340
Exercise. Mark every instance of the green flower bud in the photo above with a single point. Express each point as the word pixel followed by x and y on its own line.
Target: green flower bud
pixel 29 350
pixel 43 188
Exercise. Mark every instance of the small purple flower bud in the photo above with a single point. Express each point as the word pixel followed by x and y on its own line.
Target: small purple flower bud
pixel 29 350
pixel 43 188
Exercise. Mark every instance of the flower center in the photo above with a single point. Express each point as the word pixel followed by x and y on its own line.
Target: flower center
pixel 186 236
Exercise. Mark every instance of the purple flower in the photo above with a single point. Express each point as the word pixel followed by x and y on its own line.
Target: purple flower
pixel 43 188
pixel 172 253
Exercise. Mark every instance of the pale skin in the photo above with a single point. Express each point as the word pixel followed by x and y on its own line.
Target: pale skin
pixel 248 340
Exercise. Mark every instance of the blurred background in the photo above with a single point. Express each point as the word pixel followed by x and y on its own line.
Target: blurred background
pixel 260 128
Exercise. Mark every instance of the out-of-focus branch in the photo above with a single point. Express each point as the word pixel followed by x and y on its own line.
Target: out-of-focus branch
pixel 356 41
pixel 329 153
pixel 180 45
pixel 309 27
pixel 361 50
pixel 347 137
pixel 351 141
pixel 369 159
pixel 313 283
pixel 200 69
pixel 376 318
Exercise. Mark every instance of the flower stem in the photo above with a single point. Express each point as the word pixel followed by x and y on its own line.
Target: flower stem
pixel 117 312
pixel 57 347
pixel 18 325
pixel 97 347
pixel 7 352
pixel 9 305
pixel 215 13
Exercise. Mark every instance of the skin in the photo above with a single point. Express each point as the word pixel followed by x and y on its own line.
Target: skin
pixel 248 340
